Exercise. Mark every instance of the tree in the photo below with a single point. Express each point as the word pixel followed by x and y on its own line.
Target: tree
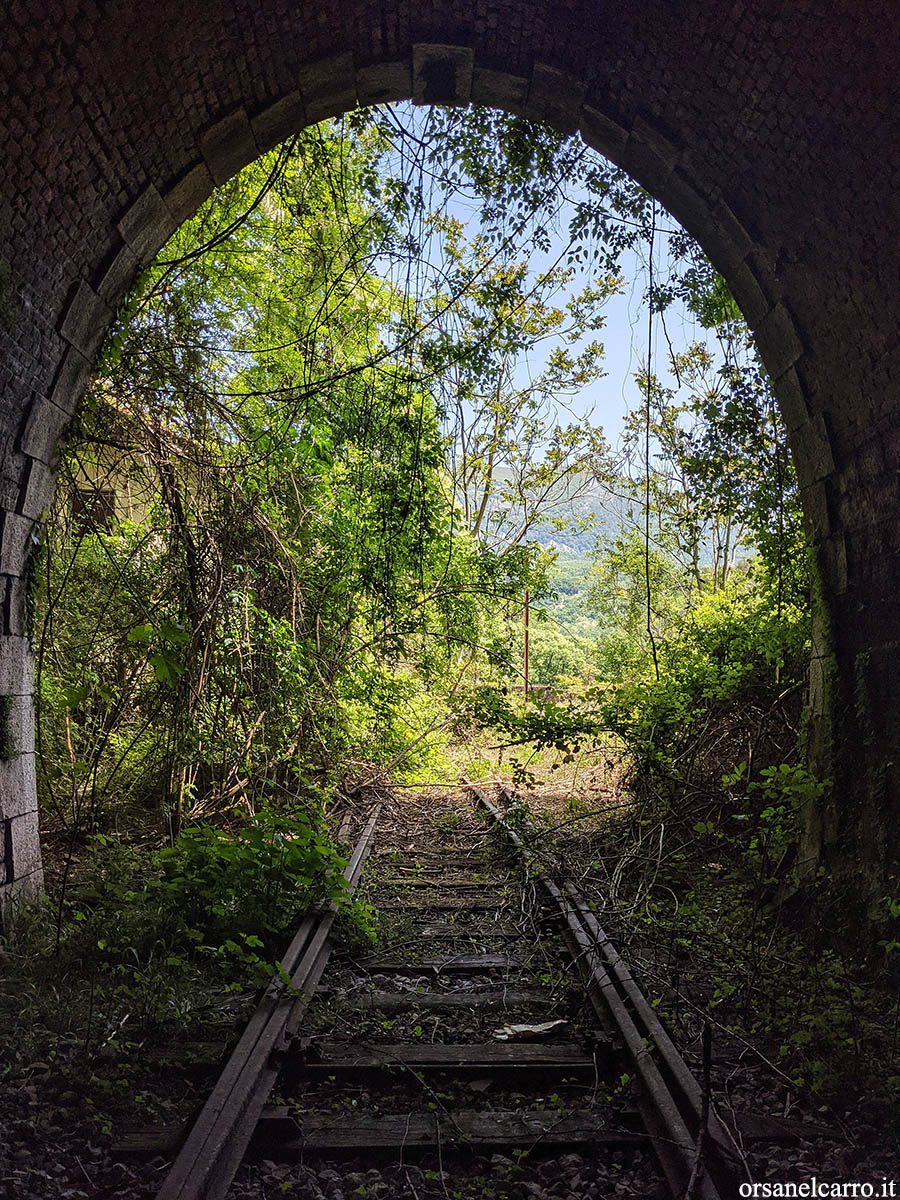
pixel 511 458
pixel 294 546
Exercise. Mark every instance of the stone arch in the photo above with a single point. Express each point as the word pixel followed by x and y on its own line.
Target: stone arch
pixel 146 154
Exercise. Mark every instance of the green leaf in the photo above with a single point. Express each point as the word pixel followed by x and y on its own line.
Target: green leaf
pixel 167 669
pixel 141 633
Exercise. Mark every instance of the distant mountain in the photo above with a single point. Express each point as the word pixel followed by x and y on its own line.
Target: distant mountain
pixel 572 521
pixel 580 515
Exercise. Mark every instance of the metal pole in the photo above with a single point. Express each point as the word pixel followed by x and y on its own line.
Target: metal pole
pixel 526 646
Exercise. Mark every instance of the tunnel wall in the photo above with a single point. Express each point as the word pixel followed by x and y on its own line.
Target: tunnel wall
pixel 765 128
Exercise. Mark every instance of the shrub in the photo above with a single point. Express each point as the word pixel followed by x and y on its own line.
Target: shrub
pixel 160 930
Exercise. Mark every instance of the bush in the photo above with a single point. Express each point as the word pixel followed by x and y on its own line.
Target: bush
pixel 736 653
pixel 158 931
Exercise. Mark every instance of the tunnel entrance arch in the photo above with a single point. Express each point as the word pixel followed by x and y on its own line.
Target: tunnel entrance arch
pixel 117 126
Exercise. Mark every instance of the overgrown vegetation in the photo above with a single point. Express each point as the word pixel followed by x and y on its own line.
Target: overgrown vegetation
pixel 337 435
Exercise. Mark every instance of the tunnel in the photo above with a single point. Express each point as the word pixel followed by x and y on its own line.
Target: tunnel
pixel 767 129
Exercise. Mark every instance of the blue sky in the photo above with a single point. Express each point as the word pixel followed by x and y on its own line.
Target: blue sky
pixel 626 331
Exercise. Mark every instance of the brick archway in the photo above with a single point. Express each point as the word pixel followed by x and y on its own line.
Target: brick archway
pixel 765 130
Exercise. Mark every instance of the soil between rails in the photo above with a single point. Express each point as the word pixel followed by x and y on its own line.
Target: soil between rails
pixel 465 948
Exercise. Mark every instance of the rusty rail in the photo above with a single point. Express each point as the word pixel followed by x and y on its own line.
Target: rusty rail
pixel 673 1101
pixel 209 1159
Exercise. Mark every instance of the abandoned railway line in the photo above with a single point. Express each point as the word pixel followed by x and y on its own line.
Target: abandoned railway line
pixel 493 1043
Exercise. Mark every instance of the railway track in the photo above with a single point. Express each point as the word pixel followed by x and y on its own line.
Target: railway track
pixel 494 1044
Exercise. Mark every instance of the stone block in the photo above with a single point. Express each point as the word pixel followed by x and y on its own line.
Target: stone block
pixel 13 599
pixel 279 121
pixel 723 239
pixel 71 380
pixel 791 399
pixel 147 225
pixel 811 448
pixel 384 82
pixel 832 558
pixel 23 846
pixel 601 132
pixel 555 98
pixel 820 638
pixel 646 165
pixel 742 280
pixel 497 89
pixel 116 279
pixel 731 230
pixel 37 490
pixel 43 432
pixel 228 146
pixel 818 681
pixel 15 542
pixel 18 787
pixel 21 724
pixel 649 155
pixel 16 667
pixel 686 200
pixel 815 506
pixel 26 887
pixel 760 260
pixel 778 340
pixel 86 320
pixel 328 87
pixel 442 74
pixel 192 189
